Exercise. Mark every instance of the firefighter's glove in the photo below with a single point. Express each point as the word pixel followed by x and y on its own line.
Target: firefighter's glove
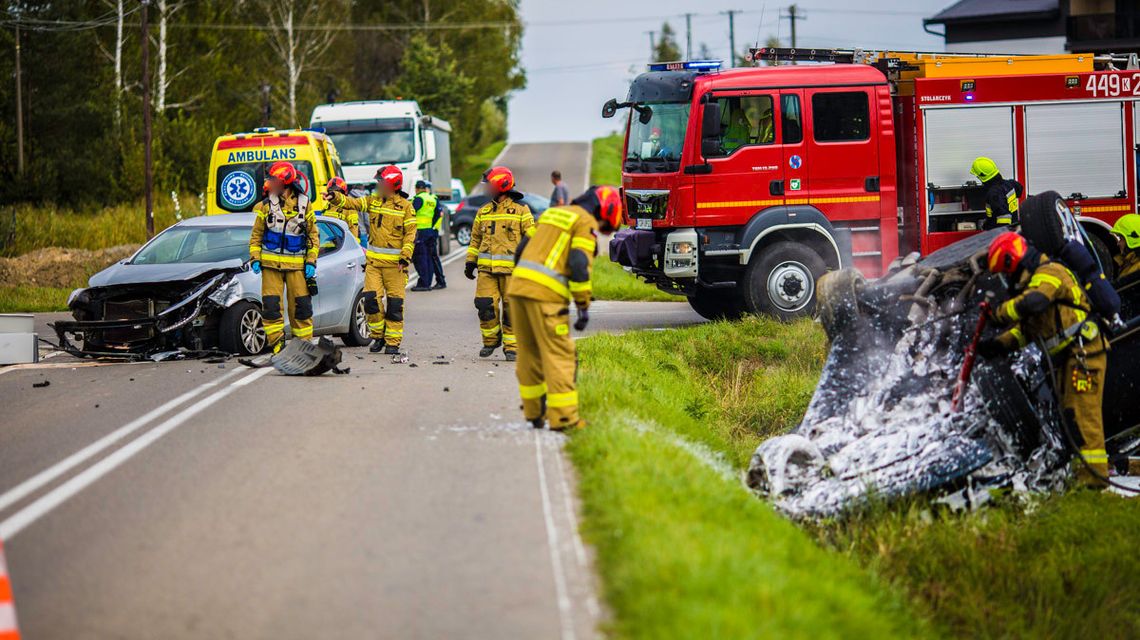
pixel 310 270
pixel 991 348
pixel 583 319
pixel 469 270
pixel 255 267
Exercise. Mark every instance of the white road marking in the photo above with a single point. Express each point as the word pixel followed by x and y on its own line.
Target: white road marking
pixel 560 586
pixel 52 499
pixel 576 537
pixel 27 487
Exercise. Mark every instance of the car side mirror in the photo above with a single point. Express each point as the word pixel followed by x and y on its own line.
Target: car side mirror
pixel 710 148
pixel 610 108
pixel 710 122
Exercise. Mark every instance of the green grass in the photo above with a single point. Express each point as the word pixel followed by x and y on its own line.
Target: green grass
pixel 25 299
pixel 605 160
pixel 476 163
pixel 611 282
pixel 684 551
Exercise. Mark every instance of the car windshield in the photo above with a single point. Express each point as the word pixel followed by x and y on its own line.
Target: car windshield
pixel 375 147
pixel 192 244
pixel 655 146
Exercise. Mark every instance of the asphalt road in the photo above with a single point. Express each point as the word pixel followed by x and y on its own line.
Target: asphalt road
pixel 185 499
pixel 532 163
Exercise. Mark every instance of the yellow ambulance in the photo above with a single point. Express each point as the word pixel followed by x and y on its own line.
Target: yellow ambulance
pixel 240 160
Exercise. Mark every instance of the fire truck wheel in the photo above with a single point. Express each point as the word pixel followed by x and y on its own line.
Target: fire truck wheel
pixel 781 280
pixel 716 304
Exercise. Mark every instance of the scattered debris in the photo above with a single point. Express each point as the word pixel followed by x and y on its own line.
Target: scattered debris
pixel 41 385
pixel 446 389
pixel 302 358
pixel 413 365
pixel 400 358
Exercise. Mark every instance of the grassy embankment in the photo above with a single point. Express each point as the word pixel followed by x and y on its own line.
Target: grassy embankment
pixel 685 551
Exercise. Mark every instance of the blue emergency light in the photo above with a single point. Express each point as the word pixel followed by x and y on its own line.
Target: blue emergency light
pixel 689 65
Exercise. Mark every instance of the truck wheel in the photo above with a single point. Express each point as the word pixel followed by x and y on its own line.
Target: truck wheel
pixel 240 331
pixel 780 281
pixel 463 234
pixel 716 304
pixel 357 335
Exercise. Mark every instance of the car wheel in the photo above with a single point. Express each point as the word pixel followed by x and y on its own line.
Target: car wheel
pixel 780 281
pixel 241 331
pixel 357 335
pixel 463 234
pixel 1102 254
pixel 716 304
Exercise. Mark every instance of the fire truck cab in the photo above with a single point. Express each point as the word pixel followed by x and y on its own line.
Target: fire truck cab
pixel 744 186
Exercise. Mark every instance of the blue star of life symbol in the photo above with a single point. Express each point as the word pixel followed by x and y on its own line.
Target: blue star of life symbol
pixel 237 189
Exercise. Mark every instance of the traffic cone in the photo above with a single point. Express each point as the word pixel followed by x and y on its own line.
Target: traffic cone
pixel 8 628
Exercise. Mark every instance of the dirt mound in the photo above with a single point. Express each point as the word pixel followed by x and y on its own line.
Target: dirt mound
pixel 56 267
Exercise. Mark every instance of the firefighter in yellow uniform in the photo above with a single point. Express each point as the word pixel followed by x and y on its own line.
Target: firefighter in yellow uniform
pixel 1002 196
pixel 1050 305
pixel 283 248
pixel 390 226
pixel 1127 232
pixel 498 228
pixel 553 267
pixel 350 217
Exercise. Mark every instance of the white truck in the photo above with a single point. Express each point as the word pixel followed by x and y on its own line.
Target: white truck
pixel 374 133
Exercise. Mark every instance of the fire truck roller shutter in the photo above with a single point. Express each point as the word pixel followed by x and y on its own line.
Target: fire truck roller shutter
pixel 833 245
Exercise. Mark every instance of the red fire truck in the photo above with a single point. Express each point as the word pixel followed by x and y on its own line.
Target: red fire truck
pixel 744 186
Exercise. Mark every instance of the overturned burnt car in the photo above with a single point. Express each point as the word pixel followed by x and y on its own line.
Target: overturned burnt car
pixel 189 291
pixel 880 424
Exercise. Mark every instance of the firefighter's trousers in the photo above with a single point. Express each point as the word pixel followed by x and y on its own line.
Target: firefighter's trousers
pixel 385 284
pixel 547 364
pixel 1082 391
pixel 274 285
pixel 490 295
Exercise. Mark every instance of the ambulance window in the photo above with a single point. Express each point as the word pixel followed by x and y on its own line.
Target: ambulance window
pixel 791 119
pixel 745 120
pixel 840 117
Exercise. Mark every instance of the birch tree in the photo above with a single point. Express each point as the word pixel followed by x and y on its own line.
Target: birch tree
pixel 299 36
pixel 116 58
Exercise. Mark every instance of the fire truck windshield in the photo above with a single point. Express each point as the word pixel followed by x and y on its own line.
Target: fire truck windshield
pixel 655 146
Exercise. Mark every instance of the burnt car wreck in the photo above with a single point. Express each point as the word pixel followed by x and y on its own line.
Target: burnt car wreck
pixel 880 425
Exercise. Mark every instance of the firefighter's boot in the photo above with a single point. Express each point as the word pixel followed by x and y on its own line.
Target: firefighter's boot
pixel 377 345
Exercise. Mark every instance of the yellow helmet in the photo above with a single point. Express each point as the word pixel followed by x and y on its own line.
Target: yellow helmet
pixel 984 168
pixel 1128 227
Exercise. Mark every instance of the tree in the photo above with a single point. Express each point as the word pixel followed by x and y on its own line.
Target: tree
pixel 666 49
pixel 299 50
pixel 430 75
pixel 705 53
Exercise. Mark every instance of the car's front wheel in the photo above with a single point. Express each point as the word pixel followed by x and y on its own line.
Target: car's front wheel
pixel 463 234
pixel 241 331
pixel 357 335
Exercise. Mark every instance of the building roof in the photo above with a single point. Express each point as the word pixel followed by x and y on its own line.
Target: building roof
pixel 981 10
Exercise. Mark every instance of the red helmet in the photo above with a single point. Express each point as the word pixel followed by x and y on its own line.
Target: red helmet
pixel 282 171
pixel 609 205
pixel 501 178
pixel 392 175
pixel 337 184
pixel 1006 252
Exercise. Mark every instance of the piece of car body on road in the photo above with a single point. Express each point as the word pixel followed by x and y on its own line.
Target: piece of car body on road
pixel 191 287
pixel 464 215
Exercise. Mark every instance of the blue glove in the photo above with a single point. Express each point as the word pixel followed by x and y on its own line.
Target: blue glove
pixel 310 270
pixel 255 267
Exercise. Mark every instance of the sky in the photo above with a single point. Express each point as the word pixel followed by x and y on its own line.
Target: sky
pixel 579 53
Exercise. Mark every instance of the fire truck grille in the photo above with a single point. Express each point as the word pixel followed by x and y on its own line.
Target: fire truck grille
pixel 646 204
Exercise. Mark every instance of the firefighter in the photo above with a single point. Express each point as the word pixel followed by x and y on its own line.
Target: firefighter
pixel 495 234
pixel 428 218
pixel 1001 195
pixel 1127 233
pixel 1050 305
pixel 390 225
pixel 283 248
pixel 350 217
pixel 553 265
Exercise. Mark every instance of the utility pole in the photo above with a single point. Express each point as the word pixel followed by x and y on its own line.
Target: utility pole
pixel 688 36
pixel 148 170
pixel 652 45
pixel 19 109
pixel 731 36
pixel 793 17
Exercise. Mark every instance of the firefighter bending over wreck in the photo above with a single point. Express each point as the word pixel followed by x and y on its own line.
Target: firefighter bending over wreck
pixel 390 225
pixel 1051 306
pixel 283 247
pixel 552 267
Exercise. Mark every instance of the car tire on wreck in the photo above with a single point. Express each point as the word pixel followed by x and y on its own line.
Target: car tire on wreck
pixel 357 335
pixel 780 281
pixel 716 304
pixel 241 331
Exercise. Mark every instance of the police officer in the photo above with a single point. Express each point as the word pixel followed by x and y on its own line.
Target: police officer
pixel 495 234
pixel 1001 195
pixel 1127 233
pixel 429 216
pixel 1050 305
pixel 350 217
pixel 390 225
pixel 283 247
pixel 553 267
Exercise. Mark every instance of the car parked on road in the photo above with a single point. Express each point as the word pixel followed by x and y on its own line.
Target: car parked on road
pixel 190 288
pixel 464 216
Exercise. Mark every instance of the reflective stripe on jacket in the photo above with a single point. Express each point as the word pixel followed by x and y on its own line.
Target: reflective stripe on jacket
pixel 1064 319
pixel 498 228
pixel 284 234
pixel 391 225
pixel 543 270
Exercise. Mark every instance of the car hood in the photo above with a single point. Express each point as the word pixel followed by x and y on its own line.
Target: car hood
pixel 126 273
